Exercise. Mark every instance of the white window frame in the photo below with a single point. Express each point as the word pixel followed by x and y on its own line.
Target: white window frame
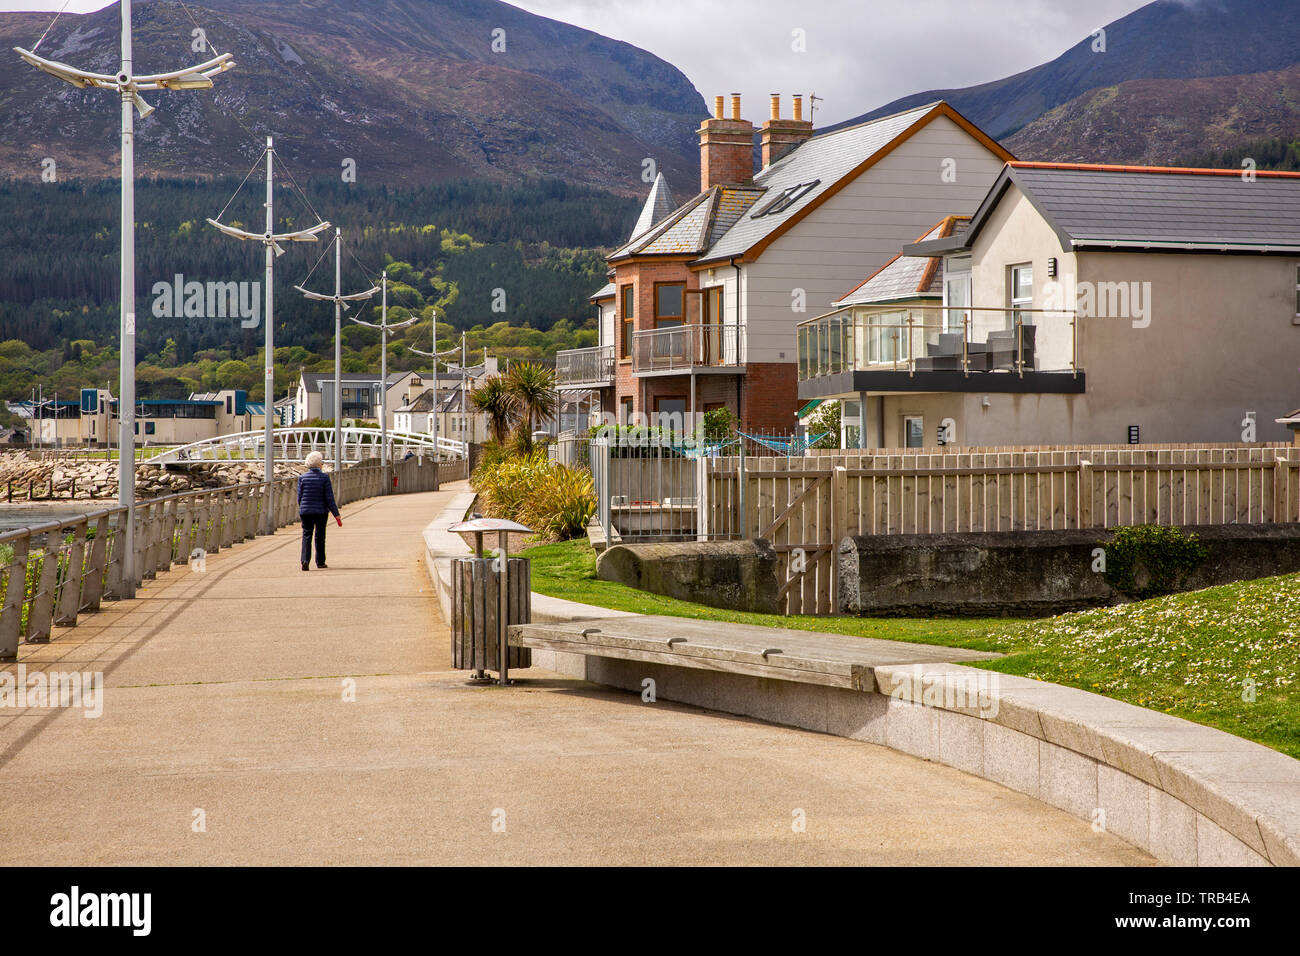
pixel 1296 320
pixel 1019 303
pixel 886 333
pixel 960 272
pixel 913 418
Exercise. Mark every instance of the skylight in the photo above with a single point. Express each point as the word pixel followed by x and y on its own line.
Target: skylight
pixel 785 199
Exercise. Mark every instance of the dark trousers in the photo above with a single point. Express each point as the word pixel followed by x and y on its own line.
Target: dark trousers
pixel 313 524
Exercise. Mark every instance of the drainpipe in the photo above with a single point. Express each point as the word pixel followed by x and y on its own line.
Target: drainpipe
pixel 740 392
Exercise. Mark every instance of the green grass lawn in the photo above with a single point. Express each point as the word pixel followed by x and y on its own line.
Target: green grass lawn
pixel 1192 655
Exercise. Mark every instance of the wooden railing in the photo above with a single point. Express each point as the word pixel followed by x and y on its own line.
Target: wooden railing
pixel 52 573
pixel 808 505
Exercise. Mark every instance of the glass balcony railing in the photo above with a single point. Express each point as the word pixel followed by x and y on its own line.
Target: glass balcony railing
pixel 684 347
pixel 935 338
pixel 585 367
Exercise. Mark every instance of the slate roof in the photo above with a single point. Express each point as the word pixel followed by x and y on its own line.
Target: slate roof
pixel 1152 208
pixel 694 225
pixel 727 221
pixel 907 277
pixel 658 206
pixel 422 403
pixel 824 159
pixel 604 292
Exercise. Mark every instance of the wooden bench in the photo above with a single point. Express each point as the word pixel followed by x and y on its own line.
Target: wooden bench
pixel 831 660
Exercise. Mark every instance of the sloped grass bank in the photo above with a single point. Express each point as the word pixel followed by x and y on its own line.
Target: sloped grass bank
pixel 1227 656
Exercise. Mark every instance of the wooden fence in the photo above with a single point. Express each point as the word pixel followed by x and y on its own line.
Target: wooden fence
pixel 806 506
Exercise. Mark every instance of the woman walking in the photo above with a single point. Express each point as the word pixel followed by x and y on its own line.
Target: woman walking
pixel 315 505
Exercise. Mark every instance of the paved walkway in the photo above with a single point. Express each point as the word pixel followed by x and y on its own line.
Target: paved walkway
pixel 226 713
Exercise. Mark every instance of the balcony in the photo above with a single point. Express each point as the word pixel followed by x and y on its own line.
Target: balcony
pixel 939 349
pixel 688 348
pixel 585 368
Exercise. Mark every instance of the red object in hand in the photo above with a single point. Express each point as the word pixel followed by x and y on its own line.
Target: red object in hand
pixel 339 520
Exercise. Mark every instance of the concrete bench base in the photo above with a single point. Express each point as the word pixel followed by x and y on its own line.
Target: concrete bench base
pixel 1189 795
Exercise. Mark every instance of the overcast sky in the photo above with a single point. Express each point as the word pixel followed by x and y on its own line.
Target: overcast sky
pixel 858 54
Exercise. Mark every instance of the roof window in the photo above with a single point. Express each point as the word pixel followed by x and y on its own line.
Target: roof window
pixel 785 199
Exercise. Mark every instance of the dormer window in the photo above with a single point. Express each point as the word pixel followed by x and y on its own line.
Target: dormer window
pixel 785 199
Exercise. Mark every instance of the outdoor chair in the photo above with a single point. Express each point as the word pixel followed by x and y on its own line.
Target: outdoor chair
pixel 1002 348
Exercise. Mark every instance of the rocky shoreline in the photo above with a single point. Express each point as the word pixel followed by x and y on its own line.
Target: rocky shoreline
pixel 67 479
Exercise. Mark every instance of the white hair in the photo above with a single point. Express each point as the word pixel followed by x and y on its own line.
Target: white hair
pixel 314 460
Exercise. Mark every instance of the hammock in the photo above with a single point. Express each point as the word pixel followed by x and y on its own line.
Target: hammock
pixel 789 447
pixel 705 450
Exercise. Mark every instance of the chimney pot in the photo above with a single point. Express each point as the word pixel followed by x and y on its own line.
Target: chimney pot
pixel 717 106
pixel 776 106
pixel 735 106
pixel 798 108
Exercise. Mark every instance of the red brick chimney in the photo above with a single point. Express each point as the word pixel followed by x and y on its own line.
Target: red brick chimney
pixel 777 136
pixel 726 147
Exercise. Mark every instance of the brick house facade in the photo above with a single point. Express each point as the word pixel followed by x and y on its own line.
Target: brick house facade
pixel 704 298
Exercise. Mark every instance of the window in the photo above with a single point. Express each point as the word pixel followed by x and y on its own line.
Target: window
pixel 149 427
pixel 629 315
pixel 956 295
pixel 785 199
pixel 670 304
pixel 625 410
pixel 229 409
pixel 887 338
pixel 1297 292
pixel 670 412
pixel 1022 294
pixel 850 424
pixel 913 431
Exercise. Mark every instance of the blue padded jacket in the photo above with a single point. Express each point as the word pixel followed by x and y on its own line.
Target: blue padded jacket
pixel 316 494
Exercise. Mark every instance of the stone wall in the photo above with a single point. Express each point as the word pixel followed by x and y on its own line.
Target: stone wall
pixel 978 574
pixel 1029 572
pixel 737 575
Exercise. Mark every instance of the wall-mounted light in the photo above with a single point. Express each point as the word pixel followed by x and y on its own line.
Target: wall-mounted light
pixel 1051 268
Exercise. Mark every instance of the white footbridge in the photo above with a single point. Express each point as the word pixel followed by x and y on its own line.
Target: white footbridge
pixel 295 444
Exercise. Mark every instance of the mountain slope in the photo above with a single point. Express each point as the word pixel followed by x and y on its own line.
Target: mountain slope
pixel 1168 39
pixel 412 90
pixel 1180 118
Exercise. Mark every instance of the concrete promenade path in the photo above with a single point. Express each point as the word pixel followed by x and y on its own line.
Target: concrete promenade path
pixel 254 714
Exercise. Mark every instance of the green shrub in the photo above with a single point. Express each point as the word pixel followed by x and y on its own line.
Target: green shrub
pixel 1147 560
pixel 562 504
pixel 719 425
pixel 554 500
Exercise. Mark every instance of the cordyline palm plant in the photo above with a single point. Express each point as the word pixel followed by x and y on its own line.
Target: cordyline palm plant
pixel 494 400
pixel 532 387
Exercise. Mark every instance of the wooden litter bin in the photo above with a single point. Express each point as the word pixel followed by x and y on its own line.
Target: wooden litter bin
pixel 476 614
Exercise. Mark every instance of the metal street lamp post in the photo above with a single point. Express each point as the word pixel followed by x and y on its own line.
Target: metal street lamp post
pixel 340 303
pixel 384 328
pixel 129 87
pixel 271 240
